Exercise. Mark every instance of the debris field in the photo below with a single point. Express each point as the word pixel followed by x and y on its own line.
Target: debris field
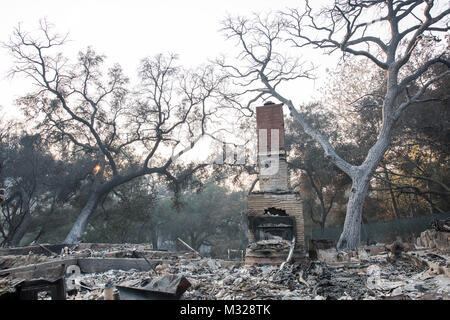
pixel 104 271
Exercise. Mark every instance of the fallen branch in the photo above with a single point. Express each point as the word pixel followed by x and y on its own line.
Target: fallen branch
pixel 188 246
pixel 290 255
pixel 142 255
pixel 301 280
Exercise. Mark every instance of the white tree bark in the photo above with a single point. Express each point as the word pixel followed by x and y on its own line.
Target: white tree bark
pixel 80 224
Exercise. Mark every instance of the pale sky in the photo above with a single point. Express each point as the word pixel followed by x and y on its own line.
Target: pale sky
pixel 127 31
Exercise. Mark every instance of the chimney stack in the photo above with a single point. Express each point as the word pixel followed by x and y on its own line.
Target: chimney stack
pixel 273 172
pixel 275 212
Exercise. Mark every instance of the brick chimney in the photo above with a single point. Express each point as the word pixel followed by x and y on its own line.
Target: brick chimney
pixel 275 213
pixel 273 172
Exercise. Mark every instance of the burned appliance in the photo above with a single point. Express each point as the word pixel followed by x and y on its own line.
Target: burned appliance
pixel 275 216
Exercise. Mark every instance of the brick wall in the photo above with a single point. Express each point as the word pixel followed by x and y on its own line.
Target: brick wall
pixel 277 178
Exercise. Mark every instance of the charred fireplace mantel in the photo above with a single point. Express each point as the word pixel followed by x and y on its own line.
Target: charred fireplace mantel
pixel 274 212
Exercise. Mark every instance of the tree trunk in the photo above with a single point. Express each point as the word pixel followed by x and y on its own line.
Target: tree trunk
pixel 351 235
pixel 21 229
pixel 154 237
pixel 80 224
pixel 323 220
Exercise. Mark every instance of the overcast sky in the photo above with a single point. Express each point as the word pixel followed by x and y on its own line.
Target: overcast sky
pixel 127 31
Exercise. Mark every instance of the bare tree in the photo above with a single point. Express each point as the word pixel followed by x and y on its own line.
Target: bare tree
pixel 389 41
pixel 129 132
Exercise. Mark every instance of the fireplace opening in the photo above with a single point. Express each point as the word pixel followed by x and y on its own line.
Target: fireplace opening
pixel 272 227
pixel 273 233
pixel 275 212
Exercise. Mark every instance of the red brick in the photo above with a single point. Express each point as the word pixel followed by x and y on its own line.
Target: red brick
pixel 271 117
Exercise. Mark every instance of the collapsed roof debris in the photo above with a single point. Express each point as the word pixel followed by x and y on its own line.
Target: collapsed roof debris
pixel 372 272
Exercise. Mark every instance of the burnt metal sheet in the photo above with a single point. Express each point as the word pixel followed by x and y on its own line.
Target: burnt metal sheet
pixel 169 287
pixel 129 293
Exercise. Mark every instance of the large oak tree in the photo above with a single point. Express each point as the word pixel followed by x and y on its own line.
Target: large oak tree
pixel 130 131
pixel 386 32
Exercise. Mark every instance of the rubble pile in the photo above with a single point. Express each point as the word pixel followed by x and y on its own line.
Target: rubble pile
pixel 434 239
pixel 317 280
pixel 379 278
pixel 367 273
pixel 270 245
pixel 11 261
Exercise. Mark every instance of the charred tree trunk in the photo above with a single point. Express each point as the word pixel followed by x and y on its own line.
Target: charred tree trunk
pixel 80 224
pixel 22 227
pixel 99 190
pixel 154 238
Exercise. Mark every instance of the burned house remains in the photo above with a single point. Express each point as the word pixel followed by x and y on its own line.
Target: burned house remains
pixel 275 217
